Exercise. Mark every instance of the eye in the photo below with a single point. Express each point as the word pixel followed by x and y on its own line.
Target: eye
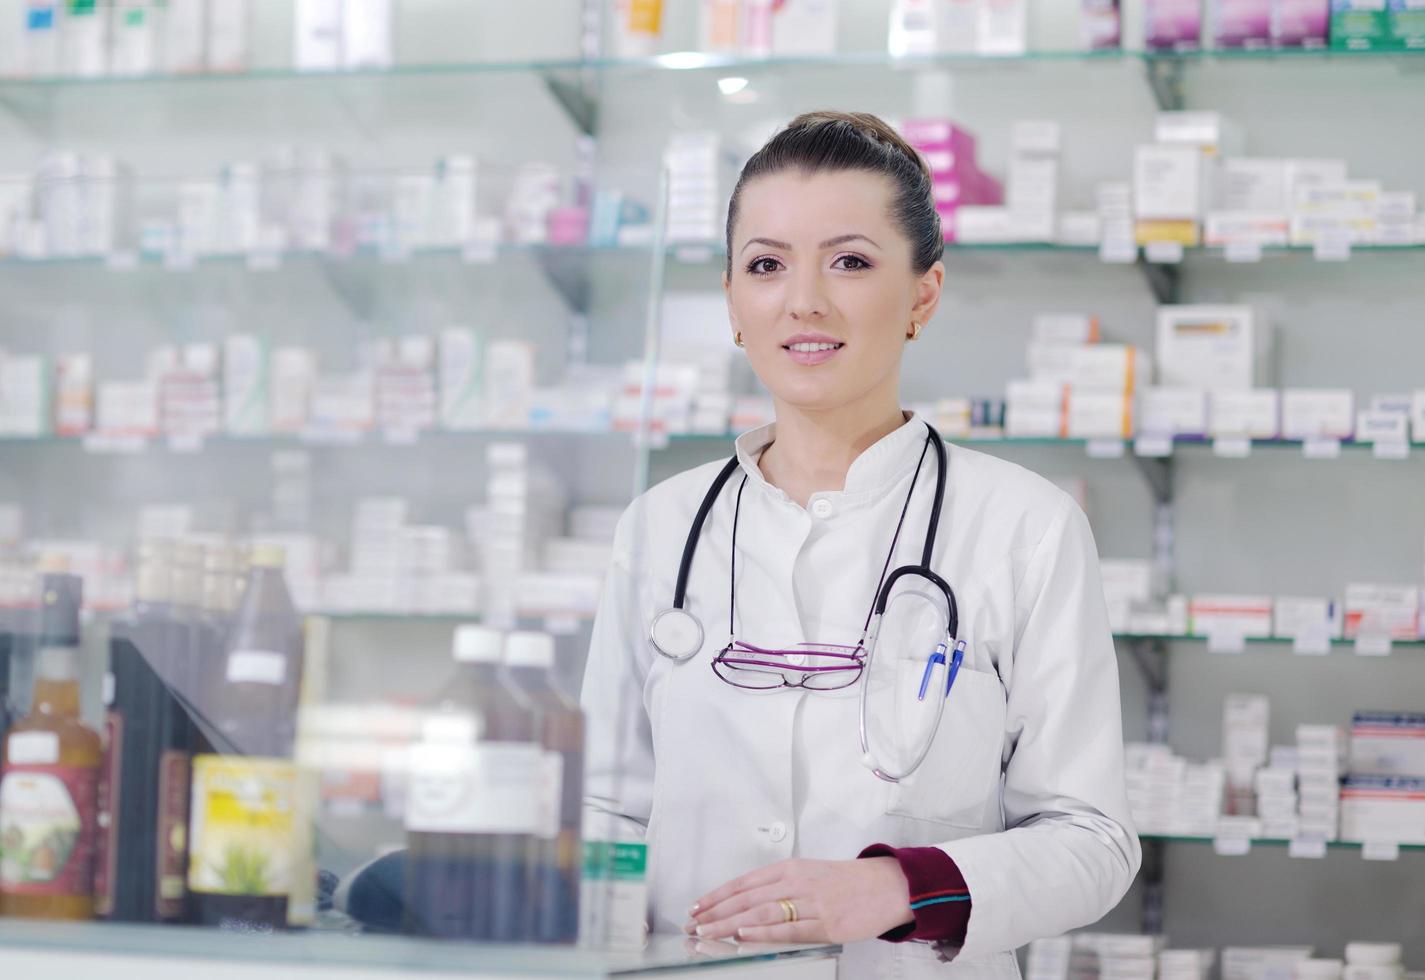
pixel 850 263
pixel 764 266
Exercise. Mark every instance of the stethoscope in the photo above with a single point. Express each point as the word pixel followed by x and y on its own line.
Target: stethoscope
pixel 678 635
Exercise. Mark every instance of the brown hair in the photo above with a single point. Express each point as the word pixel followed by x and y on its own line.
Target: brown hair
pixel 828 142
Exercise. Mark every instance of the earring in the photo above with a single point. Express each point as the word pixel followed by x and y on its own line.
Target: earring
pixel 914 331
pixel 737 339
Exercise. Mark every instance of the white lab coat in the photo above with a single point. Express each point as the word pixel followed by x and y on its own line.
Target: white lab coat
pixel 1023 786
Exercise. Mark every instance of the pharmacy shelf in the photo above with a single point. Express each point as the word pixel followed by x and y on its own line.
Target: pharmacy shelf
pixel 1092 445
pixel 1335 845
pixel 104 444
pixel 1267 641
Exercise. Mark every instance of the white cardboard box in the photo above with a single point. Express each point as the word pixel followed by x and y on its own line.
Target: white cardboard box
pixel 1213 347
pixel 1172 411
pixel 1251 413
pixel 1095 413
pixel 1168 183
pixel 1294 616
pixel 1318 413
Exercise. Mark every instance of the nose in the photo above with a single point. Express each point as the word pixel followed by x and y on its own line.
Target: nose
pixel 807 300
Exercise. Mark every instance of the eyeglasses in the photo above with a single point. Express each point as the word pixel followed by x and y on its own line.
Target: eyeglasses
pixel 813 666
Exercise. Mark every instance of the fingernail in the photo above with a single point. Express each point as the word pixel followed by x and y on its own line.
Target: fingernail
pixel 737 936
pixel 694 910
pixel 689 927
pixel 699 931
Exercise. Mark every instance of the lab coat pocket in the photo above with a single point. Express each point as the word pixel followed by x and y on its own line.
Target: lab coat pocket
pixel 959 781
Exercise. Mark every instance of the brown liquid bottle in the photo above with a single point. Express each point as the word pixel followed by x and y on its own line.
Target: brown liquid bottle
pixel 50 767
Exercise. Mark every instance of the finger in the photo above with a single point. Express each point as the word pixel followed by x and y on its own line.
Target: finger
pixel 801 931
pixel 765 875
pixel 763 914
pixel 740 902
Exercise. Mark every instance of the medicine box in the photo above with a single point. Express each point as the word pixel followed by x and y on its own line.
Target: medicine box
pixel 1389 610
pixel 1383 808
pixel 1318 413
pixel 1230 615
pixel 1172 411
pixel 1294 616
pixel 1212 347
pixel 1388 743
pixel 1251 413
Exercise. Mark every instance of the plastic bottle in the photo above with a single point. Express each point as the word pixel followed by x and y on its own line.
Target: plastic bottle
pixel 473 803
pixel 50 767
pixel 557 853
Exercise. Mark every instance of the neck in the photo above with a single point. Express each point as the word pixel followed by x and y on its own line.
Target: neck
pixel 814 449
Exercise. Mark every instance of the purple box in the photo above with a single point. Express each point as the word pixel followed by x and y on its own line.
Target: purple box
pixel 1172 25
pixel 1301 23
pixel 1102 25
pixel 1242 23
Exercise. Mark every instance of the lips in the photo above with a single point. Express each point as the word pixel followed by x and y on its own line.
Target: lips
pixel 812 348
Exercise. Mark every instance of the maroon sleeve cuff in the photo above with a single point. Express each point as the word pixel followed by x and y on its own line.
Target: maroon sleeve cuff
pixel 939 897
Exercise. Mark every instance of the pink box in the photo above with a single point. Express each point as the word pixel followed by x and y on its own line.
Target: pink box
pixel 1242 23
pixel 1174 25
pixel 939 134
pixel 1300 23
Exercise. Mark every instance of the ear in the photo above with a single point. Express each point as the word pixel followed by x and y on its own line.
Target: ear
pixel 927 293
pixel 727 295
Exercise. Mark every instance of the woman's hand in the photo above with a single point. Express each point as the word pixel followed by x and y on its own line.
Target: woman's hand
pixel 835 901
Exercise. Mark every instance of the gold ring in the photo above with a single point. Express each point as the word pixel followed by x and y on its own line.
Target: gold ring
pixel 789 910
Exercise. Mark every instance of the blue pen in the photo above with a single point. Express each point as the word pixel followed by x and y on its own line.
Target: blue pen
pixel 938 657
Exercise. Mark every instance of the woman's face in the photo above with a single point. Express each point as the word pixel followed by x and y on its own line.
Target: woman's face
pixel 822 288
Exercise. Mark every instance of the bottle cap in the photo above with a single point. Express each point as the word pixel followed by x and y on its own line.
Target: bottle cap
pixel 267 556
pixel 61 597
pixel 476 644
pixel 529 649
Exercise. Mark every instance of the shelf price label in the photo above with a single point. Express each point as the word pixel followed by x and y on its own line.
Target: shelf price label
pixel 1243 252
pixel 1332 248
pixel 1232 447
pixel 1231 845
pixel 1228 642
pixel 114 443
pixel 1153 445
pixel 479 251
pixel 1310 848
pixel 1380 850
pixel 1105 448
pixel 565 625
pixel 264 260
pixel 1164 253
pixel 122 260
pixel 185 442
pixel 1373 645
pixel 1312 642
pixel 1118 251
pixel 1319 448
pixel 1392 449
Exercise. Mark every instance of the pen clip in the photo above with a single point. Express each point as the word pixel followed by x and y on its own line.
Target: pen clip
pixel 956 659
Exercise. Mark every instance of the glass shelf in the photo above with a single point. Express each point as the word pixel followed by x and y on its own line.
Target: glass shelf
pixel 1335 845
pixel 1012 441
pixel 699 252
pixel 1267 641
pixel 695 60
pixel 373 953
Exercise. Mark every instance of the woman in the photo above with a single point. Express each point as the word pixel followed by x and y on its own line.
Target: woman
pixel 764 818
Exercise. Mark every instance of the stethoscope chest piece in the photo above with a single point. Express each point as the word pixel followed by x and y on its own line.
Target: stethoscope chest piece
pixel 676 633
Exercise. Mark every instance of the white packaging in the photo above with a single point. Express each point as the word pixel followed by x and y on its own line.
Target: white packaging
pixel 1172 411
pixel 1318 413
pixel 39 41
pixel 1039 137
pixel 1127 579
pixel 74 394
pixel 460 379
pixel 1212 132
pixel 1262 228
pixel 1303 173
pixel 1111 367
pixel 245 392
pixel 1379 609
pixel 1252 184
pixel 1383 808
pixel 912 28
pixel 230 35
pixel 126 408
pixel 366 33
pixel 184 29
pixel 1245 720
pixel 957 26
pixel 1067 328
pixel 1373 954
pixel 84 39
pixel 1360 228
pixel 1294 616
pixel 1095 413
pixel 983 224
pixel 1168 183
pixel 1083 229
pixel 1380 426
pixel 24 395
pixel 1212 347
pixel 1417 416
pixel 294 371
pixel 1251 413
pixel 1050 360
pixel 613 895
pixel 1002 27
pixel 804 27
pixel 1388 743
pixel 317 35
pixel 452 206
pixel 133 38
pixel 1248 616
pixel 1345 197
pixel 509 383
pixel 1034 409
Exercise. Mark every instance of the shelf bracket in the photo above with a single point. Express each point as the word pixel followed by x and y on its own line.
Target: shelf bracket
pixel 1158 471
pixel 1165 78
pixel 567 270
pixel 1152 875
pixel 577 97
pixel 1164 280
pixel 1151 657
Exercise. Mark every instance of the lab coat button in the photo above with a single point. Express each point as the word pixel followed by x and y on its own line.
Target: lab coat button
pixel 777 832
pixel 821 507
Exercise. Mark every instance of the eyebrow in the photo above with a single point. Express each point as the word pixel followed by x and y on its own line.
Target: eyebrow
pixel 829 243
